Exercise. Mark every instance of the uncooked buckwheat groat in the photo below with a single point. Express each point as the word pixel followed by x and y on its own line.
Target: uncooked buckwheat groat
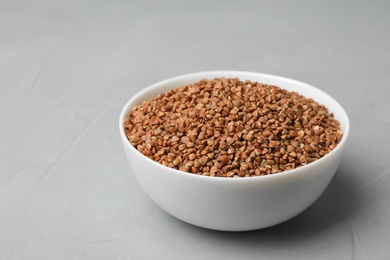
pixel 230 128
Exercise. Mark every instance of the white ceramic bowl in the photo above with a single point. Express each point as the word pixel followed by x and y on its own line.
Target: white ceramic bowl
pixel 234 204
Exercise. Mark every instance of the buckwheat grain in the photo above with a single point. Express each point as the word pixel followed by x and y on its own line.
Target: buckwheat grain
pixel 232 128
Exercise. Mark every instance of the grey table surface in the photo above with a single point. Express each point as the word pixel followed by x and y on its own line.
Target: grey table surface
pixel 68 67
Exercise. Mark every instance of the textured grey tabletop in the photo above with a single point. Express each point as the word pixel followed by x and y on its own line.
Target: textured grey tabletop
pixel 68 67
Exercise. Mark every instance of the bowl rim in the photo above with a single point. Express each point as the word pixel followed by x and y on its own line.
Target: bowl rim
pixel 212 74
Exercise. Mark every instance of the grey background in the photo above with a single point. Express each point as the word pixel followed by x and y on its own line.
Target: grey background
pixel 68 67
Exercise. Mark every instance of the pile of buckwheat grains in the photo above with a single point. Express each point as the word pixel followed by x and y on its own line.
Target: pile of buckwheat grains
pixel 230 128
